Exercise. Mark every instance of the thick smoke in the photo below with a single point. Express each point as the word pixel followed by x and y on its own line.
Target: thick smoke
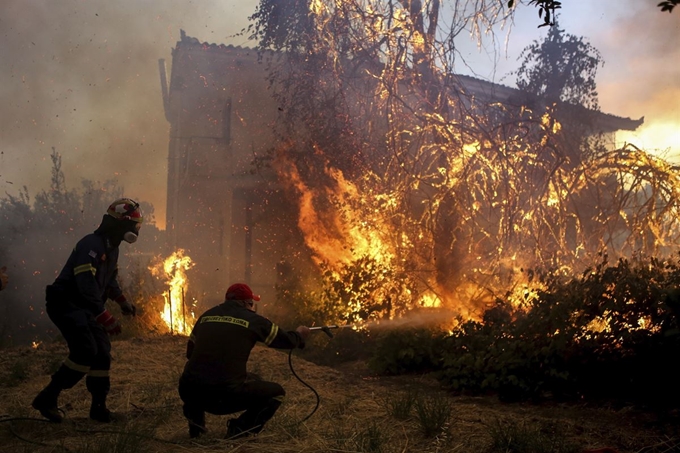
pixel 82 76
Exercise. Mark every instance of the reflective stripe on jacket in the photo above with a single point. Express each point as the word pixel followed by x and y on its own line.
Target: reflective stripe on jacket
pixel 222 339
pixel 88 278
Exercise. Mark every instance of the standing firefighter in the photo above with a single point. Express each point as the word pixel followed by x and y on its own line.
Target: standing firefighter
pixel 76 303
pixel 215 379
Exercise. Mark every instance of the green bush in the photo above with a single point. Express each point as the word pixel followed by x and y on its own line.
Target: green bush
pixel 406 350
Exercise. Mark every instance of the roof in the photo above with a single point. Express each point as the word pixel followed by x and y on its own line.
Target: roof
pixel 506 94
pixel 469 85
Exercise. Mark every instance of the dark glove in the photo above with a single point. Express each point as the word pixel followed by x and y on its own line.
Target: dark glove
pixel 109 322
pixel 252 377
pixel 126 307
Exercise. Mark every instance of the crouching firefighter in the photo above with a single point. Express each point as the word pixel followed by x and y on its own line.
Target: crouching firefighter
pixel 75 303
pixel 215 379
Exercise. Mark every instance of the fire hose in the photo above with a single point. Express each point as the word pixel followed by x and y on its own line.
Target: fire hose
pixel 327 331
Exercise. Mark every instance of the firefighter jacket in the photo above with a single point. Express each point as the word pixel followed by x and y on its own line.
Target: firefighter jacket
pixel 88 278
pixel 221 342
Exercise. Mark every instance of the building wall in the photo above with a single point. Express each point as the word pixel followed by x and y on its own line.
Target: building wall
pixel 221 117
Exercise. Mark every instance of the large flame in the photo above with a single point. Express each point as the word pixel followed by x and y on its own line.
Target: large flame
pixel 423 192
pixel 356 235
pixel 178 313
pixel 355 230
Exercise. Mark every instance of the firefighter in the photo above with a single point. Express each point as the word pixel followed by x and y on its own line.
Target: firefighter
pixel 76 304
pixel 215 379
pixel 4 279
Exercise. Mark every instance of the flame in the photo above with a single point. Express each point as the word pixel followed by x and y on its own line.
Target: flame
pixel 430 301
pixel 356 228
pixel 357 238
pixel 178 314
pixel 432 196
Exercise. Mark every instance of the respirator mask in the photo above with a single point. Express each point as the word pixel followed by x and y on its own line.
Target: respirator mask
pixel 131 236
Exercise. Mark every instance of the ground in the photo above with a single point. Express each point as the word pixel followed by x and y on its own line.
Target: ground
pixel 358 411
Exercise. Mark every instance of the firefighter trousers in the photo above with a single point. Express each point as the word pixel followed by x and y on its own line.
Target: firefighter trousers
pixel 259 399
pixel 89 353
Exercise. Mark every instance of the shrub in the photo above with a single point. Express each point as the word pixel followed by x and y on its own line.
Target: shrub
pixel 399 405
pixel 433 414
pixel 407 350
pixel 517 437
pixel 611 333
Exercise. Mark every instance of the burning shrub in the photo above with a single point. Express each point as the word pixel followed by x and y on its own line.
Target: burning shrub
pixel 449 190
pixel 611 333
pixel 177 309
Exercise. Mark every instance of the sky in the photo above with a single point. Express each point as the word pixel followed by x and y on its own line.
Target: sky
pixel 82 76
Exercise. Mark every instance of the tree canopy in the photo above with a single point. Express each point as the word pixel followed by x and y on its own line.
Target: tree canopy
pixel 547 8
pixel 560 68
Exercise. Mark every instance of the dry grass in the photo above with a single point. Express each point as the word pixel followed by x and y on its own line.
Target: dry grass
pixel 356 412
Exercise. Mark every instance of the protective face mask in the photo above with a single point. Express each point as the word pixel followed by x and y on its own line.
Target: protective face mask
pixel 130 237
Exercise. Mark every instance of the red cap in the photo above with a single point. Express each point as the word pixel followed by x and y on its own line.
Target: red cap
pixel 240 291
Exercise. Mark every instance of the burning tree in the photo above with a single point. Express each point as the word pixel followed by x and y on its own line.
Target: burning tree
pixel 437 195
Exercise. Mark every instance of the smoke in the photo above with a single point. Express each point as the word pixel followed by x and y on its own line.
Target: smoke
pixel 430 317
pixel 641 76
pixel 82 76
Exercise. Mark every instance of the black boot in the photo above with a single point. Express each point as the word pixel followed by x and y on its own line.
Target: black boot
pixel 235 430
pixel 195 430
pixel 46 403
pixel 98 410
pixel 196 418
pixel 99 386
pixel 252 421
pixel 99 413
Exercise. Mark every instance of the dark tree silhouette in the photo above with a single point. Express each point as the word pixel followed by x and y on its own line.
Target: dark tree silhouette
pixel 547 8
pixel 562 68
pixel 668 5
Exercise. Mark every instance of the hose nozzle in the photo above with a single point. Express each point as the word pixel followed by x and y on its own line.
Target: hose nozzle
pixel 325 329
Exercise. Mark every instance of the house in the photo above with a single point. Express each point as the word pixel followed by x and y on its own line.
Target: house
pixel 219 210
